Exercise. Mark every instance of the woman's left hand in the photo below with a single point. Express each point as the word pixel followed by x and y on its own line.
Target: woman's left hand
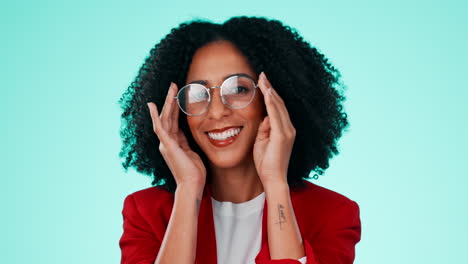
pixel 275 138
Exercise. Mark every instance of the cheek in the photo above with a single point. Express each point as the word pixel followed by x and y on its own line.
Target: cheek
pixel 257 111
pixel 192 123
pixel 254 115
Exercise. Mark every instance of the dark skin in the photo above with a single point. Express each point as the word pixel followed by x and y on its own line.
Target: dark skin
pixel 235 175
pixel 258 159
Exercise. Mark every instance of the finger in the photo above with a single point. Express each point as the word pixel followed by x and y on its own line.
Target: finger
pixel 175 111
pixel 264 129
pixel 271 106
pixel 166 110
pixel 281 106
pixel 285 118
pixel 274 93
pixel 262 87
pixel 157 126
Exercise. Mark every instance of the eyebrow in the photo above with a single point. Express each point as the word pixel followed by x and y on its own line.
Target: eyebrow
pixel 205 82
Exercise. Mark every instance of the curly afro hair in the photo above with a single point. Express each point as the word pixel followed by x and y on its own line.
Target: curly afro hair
pixel 308 83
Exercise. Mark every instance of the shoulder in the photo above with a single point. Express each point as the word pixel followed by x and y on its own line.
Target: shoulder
pixel 319 194
pixel 317 204
pixel 150 193
pixel 150 200
pixel 146 212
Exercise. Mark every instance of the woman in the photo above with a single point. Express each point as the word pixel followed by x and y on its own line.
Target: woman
pixel 242 112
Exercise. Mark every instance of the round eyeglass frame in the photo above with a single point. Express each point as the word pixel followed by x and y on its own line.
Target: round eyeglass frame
pixel 222 98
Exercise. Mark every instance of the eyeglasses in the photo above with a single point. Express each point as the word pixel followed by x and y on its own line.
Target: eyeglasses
pixel 237 92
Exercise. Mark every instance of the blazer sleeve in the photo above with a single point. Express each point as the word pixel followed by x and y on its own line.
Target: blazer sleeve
pixel 138 243
pixel 336 241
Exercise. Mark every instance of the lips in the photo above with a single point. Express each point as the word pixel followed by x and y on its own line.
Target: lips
pixel 219 142
pixel 221 130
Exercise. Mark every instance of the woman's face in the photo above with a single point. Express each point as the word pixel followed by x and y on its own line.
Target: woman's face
pixel 213 62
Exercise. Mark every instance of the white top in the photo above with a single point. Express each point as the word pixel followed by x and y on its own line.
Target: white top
pixel 238 228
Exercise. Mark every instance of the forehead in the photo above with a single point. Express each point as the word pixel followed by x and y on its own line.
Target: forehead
pixel 216 60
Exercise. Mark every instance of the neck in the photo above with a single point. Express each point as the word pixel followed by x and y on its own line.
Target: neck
pixel 236 184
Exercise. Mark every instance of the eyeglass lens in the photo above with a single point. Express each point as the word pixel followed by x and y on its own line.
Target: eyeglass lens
pixel 236 92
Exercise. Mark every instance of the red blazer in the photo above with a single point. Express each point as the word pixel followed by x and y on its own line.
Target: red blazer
pixel 329 223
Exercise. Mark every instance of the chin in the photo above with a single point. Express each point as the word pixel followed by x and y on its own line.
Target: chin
pixel 225 160
pixel 229 156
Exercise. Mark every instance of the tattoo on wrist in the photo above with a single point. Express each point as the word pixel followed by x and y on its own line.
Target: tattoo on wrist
pixel 281 216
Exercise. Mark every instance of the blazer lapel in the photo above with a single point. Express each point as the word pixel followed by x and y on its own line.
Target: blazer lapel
pixel 264 252
pixel 206 238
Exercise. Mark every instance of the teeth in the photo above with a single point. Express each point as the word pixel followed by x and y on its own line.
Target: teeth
pixel 224 135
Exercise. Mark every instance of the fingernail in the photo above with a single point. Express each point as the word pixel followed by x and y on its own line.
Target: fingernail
pixel 149 108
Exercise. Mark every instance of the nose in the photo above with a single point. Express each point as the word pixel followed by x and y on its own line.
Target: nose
pixel 216 109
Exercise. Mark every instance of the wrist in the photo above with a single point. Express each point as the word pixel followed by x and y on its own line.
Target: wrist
pixel 190 189
pixel 276 186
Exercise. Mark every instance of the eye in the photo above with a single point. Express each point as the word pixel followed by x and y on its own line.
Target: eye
pixel 237 90
pixel 242 89
pixel 198 96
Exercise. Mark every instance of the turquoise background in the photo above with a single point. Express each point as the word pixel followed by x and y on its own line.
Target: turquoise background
pixel 65 64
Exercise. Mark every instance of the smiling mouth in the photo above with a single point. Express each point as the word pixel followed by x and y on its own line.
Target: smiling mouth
pixel 224 137
pixel 224 133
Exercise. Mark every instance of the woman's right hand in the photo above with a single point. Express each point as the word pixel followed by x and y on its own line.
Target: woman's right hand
pixel 186 165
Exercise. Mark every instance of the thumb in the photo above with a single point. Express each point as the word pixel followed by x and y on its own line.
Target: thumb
pixel 264 129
